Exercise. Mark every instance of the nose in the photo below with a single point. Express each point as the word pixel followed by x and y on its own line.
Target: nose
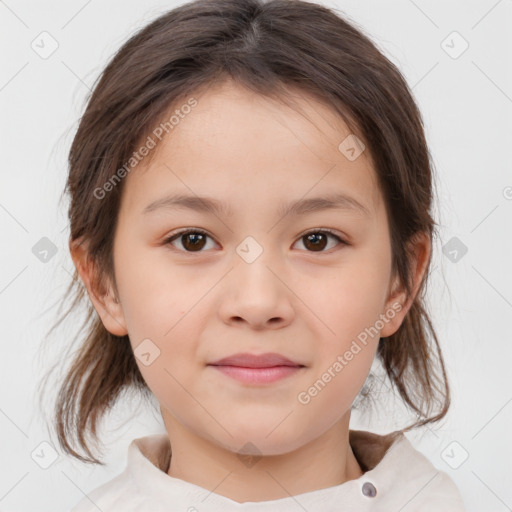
pixel 255 294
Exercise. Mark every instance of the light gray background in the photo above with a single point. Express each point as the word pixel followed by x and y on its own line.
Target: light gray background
pixel 467 107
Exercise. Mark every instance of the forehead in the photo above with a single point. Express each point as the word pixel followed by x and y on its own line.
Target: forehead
pixel 236 145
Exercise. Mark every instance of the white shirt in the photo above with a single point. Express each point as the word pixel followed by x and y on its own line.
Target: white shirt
pixel 397 477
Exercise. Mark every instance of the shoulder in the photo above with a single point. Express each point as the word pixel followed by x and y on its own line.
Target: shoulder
pixel 120 493
pixel 420 486
pixel 128 491
pixel 438 493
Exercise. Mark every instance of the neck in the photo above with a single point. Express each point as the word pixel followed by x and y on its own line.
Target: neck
pixel 323 462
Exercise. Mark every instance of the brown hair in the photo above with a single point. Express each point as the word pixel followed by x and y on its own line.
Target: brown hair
pixel 268 47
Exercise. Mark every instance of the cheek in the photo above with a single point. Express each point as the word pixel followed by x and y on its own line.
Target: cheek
pixel 349 301
pixel 162 317
pixel 155 295
pixel 349 306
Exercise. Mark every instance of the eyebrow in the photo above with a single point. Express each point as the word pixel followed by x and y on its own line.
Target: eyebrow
pixel 218 208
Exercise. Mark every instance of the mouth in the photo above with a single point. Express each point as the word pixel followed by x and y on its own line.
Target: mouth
pixel 257 361
pixel 257 368
pixel 264 375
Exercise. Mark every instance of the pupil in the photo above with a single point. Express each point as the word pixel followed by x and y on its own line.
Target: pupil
pixel 318 241
pixel 198 237
pixel 314 237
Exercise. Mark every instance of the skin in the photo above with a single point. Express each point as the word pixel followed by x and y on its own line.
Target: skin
pixel 196 307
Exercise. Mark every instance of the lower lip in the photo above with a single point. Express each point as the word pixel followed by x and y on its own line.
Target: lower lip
pixel 258 375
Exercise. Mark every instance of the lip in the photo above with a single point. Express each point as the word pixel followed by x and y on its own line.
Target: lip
pixel 247 360
pixel 254 376
pixel 257 368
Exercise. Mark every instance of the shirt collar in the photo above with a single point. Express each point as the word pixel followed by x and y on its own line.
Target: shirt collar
pixel 149 458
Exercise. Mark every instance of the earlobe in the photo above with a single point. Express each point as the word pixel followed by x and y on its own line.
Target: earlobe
pixel 102 295
pixel 398 304
pixel 394 311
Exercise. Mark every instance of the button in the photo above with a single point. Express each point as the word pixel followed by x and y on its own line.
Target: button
pixel 369 490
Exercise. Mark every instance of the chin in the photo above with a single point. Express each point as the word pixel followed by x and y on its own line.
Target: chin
pixel 262 441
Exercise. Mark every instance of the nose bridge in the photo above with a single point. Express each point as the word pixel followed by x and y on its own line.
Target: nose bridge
pixel 258 274
pixel 255 258
pixel 254 291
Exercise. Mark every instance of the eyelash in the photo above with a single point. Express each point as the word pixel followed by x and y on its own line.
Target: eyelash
pixel 177 234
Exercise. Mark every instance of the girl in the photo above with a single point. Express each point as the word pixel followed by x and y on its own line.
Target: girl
pixel 250 206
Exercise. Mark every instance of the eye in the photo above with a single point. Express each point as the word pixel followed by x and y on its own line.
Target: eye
pixel 194 240
pixel 317 239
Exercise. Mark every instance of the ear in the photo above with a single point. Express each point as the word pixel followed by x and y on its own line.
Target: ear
pixel 103 296
pixel 420 248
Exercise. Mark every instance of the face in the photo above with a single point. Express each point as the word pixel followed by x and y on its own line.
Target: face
pixel 312 285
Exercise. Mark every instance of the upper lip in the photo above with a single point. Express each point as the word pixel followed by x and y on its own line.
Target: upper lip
pixel 256 360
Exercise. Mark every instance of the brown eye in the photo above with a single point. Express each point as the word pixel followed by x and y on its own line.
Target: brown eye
pixel 316 241
pixel 192 240
pixel 195 240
